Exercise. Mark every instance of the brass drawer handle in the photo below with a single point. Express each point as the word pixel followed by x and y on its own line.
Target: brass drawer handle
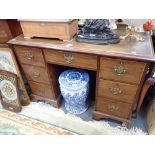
pixel 119 70
pixel 115 90
pixel 69 58
pixel 29 55
pixel 113 108
pixel 36 74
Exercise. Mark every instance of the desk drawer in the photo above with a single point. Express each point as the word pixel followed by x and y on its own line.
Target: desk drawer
pixel 121 70
pixel 42 90
pixel 38 74
pixel 32 56
pixel 113 107
pixel 71 59
pixel 117 91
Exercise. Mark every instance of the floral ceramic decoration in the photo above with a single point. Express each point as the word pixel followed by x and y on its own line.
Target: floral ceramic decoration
pixel 74 86
pixel 8 63
pixel 8 89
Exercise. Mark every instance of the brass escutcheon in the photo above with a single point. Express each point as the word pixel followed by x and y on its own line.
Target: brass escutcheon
pixel 29 55
pixel 69 58
pixel 119 70
pixel 116 90
pixel 113 108
pixel 36 74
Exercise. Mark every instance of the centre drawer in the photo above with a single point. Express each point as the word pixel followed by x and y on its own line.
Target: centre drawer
pixel 113 107
pixel 121 70
pixel 38 74
pixel 28 55
pixel 71 59
pixel 117 91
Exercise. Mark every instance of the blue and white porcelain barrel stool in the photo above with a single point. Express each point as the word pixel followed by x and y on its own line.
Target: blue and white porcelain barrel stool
pixel 74 86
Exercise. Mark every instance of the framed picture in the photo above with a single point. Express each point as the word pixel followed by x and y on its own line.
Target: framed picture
pixel 9 92
pixel 8 63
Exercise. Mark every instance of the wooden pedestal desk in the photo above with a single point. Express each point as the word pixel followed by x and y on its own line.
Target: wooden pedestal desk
pixel 121 71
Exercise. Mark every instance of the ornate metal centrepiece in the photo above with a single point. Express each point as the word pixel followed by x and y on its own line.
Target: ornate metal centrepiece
pixel 134 26
pixel 74 86
pixel 97 31
pixel 9 93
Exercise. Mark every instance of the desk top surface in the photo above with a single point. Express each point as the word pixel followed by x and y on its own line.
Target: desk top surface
pixel 128 49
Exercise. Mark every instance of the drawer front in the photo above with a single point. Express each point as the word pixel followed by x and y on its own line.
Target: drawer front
pixel 117 91
pixel 37 74
pixel 71 59
pixel 121 70
pixel 41 89
pixel 32 56
pixel 113 107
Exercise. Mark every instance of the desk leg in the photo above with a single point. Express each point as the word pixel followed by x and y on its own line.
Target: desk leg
pixel 126 124
pixel 100 115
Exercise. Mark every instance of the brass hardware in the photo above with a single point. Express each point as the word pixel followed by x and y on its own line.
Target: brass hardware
pixel 116 91
pixel 69 58
pixel 119 70
pixel 122 62
pixel 29 55
pixel 112 108
pixel 36 74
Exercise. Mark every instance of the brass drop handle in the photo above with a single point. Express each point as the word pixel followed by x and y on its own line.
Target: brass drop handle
pixel 113 108
pixel 116 90
pixel 119 70
pixel 69 58
pixel 36 74
pixel 29 55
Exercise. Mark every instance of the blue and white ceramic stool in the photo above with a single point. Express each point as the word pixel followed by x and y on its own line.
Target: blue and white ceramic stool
pixel 74 86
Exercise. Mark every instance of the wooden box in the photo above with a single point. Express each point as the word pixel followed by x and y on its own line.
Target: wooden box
pixel 61 29
pixel 151 117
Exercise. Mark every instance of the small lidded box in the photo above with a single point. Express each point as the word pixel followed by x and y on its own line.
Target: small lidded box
pixel 63 29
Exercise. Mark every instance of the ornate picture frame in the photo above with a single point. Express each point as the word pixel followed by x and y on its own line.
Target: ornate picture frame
pixel 9 93
pixel 8 63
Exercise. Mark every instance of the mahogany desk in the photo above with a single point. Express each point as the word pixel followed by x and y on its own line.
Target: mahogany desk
pixel 121 71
